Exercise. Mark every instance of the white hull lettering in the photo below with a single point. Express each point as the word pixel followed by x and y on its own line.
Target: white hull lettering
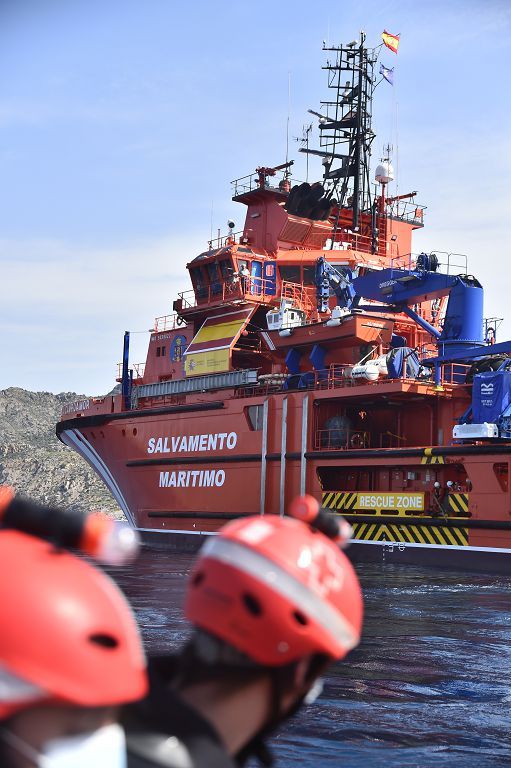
pixel 217 441
pixel 194 478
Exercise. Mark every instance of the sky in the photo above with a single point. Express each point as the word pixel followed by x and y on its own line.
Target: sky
pixel 122 123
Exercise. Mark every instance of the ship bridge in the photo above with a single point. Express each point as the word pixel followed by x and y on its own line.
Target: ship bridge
pixel 230 274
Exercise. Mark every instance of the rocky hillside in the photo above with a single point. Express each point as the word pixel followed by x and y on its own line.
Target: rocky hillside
pixel 36 463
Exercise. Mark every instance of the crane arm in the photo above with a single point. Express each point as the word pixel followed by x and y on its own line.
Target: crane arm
pixel 401 289
pixel 329 278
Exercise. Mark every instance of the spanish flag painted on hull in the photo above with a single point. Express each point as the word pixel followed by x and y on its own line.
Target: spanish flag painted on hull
pixel 211 348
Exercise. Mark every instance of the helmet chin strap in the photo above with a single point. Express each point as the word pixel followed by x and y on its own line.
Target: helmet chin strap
pixel 257 746
pixel 295 676
pixel 20 746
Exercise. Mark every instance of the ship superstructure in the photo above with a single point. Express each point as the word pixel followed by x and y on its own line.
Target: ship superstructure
pixel 316 352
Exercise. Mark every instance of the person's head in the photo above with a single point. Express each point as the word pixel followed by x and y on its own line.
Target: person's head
pixel 70 655
pixel 271 597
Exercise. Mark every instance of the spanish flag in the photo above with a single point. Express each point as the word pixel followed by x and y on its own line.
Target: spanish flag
pixel 391 41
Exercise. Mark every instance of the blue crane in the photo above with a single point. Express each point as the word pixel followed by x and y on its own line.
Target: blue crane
pixel 461 336
pixel 399 290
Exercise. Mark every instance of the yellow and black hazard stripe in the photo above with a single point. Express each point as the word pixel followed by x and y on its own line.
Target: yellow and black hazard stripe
pixel 410 534
pixel 457 502
pixel 428 458
pixel 345 500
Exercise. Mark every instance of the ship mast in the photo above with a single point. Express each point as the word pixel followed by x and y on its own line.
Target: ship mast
pixel 345 129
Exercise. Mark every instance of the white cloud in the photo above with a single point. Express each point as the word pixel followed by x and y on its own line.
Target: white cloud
pixel 64 308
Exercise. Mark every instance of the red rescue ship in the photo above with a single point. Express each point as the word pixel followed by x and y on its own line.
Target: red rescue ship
pixel 317 353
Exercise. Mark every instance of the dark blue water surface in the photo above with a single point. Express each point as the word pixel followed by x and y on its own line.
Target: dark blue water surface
pixel 429 685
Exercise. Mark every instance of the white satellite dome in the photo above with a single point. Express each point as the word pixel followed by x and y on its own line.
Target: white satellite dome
pixel 384 172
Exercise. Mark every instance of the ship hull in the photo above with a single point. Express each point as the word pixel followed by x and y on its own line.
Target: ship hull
pixel 476 559
pixel 179 473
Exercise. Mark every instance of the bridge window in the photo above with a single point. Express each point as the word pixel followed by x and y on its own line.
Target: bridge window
pixel 212 269
pixel 309 275
pixel 214 278
pixel 226 268
pixel 291 274
pixel 199 282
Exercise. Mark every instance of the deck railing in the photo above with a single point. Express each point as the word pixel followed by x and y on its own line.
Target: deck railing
pixel 338 377
pixel 167 323
pixel 341 439
pixel 355 241
pixel 407 210
pixel 252 182
pixel 236 288
pixel 222 241
pixel 300 296
pixel 448 263
pixel 138 370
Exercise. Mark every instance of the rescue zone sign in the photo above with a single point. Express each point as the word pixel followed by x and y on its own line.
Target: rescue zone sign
pixel 379 502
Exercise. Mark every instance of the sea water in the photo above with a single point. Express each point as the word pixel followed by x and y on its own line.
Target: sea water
pixel 429 685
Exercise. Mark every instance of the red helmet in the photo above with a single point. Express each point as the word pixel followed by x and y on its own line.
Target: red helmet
pixel 66 631
pixel 276 590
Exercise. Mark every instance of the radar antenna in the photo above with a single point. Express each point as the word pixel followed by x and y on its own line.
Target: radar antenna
pixel 345 128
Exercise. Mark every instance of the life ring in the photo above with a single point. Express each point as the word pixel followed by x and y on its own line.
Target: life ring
pixel 180 320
